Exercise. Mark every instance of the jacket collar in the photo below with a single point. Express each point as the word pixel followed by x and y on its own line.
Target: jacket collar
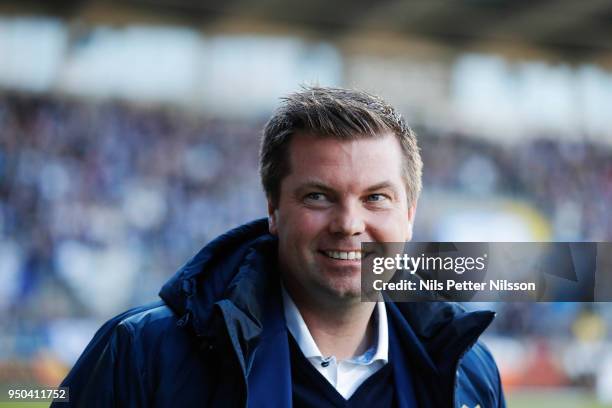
pixel 432 337
pixel 226 270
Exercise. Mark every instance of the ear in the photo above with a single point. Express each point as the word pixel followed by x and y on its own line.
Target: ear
pixel 272 215
pixel 411 215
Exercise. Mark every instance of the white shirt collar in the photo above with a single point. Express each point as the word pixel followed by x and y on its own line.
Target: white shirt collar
pixel 298 329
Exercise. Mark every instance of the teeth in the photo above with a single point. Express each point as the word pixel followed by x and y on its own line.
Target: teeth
pixel 344 255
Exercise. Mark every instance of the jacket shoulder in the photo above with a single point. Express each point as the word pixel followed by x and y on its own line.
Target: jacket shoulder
pixel 478 379
pixel 156 320
pixel 128 357
pixel 155 341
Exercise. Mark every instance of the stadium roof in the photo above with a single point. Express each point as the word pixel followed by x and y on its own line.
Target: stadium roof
pixel 572 28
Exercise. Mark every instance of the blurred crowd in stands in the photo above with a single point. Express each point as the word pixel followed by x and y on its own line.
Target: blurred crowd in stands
pixel 570 182
pixel 153 181
pixel 101 201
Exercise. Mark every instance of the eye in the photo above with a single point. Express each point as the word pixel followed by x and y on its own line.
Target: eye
pixel 315 197
pixel 376 197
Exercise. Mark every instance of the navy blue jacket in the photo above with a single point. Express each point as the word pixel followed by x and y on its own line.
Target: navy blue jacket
pixel 218 338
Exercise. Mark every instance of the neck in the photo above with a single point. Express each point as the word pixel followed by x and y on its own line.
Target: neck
pixel 344 330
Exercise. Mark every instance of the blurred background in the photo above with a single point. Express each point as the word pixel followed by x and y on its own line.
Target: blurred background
pixel 129 134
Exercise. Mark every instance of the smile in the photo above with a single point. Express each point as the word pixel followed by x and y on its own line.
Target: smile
pixel 348 255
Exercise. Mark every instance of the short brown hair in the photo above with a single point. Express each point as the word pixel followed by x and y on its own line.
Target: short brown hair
pixel 344 114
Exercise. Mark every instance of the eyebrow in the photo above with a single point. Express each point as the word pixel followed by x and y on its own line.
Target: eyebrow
pixel 318 185
pixel 381 186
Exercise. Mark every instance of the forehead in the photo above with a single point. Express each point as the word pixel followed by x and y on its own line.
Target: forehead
pixel 358 162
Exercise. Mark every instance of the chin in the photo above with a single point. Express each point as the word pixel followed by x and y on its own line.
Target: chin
pixel 345 290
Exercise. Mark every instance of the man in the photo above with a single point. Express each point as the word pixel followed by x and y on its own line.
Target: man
pixel 269 314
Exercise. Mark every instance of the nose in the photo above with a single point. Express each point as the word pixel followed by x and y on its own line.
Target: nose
pixel 347 220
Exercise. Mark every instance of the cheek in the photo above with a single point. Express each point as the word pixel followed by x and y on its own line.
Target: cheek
pixel 311 224
pixel 302 225
pixel 391 228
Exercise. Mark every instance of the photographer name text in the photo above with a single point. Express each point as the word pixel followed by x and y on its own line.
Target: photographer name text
pixel 450 284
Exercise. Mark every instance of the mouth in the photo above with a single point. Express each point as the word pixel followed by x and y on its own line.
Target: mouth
pixel 353 255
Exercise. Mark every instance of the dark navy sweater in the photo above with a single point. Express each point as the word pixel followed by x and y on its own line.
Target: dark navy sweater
pixel 311 389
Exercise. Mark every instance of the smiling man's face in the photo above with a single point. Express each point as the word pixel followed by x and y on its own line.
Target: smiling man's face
pixel 337 195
